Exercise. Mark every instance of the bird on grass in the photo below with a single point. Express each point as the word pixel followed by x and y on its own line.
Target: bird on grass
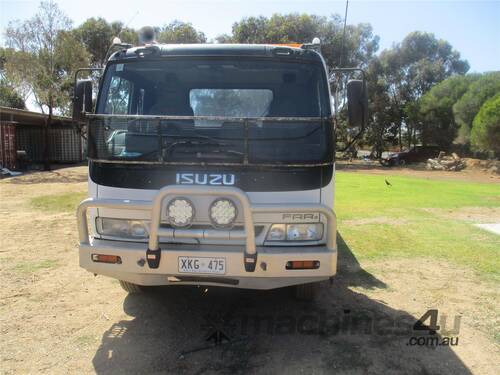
pixel 387 182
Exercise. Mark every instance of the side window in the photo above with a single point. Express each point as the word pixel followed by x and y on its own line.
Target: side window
pixel 120 92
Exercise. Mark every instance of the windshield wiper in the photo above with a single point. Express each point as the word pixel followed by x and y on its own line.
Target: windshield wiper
pixel 191 142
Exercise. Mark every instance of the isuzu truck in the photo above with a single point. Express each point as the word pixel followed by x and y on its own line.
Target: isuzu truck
pixel 212 165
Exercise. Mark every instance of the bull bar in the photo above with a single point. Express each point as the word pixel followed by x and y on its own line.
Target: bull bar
pixel 153 251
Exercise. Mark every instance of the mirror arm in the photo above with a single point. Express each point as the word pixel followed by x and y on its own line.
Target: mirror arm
pixel 345 70
pixel 78 71
pixel 355 137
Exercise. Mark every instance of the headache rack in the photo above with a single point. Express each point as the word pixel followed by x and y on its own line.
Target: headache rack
pixel 100 126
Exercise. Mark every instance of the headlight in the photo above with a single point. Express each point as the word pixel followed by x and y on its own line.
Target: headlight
pixel 223 213
pixel 180 212
pixel 277 233
pixel 124 228
pixel 295 232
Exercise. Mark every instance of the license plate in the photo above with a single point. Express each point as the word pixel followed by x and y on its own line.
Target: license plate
pixel 202 265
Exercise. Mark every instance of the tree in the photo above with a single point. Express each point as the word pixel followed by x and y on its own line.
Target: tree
pixel 180 32
pixel 359 47
pixel 470 103
pixel 411 68
pixel 126 34
pixel 383 110
pixel 485 134
pixel 436 107
pixel 45 59
pixel 96 34
pixel 8 95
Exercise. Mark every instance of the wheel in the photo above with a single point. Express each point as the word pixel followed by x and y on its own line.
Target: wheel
pixel 306 292
pixel 132 288
pixel 402 162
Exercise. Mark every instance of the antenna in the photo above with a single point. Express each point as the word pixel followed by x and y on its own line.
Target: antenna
pixel 116 42
pixel 128 23
pixel 343 33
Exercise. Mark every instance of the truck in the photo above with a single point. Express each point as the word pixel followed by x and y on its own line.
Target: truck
pixel 212 164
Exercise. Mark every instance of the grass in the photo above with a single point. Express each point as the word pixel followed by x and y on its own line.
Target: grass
pixel 31 267
pixel 85 340
pixel 408 230
pixel 58 202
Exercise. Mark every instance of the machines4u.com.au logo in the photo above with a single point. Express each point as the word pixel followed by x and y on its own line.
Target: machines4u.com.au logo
pixel 427 334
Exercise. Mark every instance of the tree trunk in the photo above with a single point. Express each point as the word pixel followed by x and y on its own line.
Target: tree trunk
pixel 46 149
pixel 400 141
pixel 410 135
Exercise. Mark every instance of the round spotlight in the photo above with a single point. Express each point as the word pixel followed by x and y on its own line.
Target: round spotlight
pixel 223 213
pixel 180 212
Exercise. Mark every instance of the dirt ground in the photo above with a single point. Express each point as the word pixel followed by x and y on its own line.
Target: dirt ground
pixel 472 173
pixel 56 318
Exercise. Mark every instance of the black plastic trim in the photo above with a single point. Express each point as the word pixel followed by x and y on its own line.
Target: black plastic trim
pixel 249 179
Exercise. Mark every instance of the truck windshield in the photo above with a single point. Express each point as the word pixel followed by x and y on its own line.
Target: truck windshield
pixel 213 110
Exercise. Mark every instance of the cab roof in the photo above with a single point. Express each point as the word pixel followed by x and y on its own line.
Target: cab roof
pixel 217 50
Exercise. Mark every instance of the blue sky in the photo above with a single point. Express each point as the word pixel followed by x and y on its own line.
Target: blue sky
pixel 472 27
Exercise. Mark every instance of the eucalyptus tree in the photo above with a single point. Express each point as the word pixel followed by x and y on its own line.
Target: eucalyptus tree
pixel 44 58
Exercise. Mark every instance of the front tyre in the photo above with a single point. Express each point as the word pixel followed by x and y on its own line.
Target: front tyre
pixel 306 292
pixel 132 288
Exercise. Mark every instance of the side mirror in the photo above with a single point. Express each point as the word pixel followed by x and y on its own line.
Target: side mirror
pixel 357 103
pixel 82 99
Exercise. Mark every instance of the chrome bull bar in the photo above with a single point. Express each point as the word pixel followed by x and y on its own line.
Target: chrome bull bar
pixel 153 252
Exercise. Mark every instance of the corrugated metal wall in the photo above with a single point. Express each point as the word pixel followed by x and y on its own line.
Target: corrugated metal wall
pixel 8 155
pixel 65 143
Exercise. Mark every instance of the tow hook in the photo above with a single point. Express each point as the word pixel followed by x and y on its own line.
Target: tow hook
pixel 153 258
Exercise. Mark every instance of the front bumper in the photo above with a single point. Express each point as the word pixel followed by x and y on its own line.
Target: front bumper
pixel 248 266
pixel 269 273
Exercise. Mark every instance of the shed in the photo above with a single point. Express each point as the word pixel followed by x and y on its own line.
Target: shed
pixel 22 140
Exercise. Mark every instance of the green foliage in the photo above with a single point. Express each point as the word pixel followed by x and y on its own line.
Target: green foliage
pixel 409 70
pixel 470 103
pixel 436 107
pixel 45 57
pixel 485 135
pixel 96 34
pixel 32 267
pixel 180 32
pixel 360 45
pixel 9 97
pixel 383 110
pixel 416 218
pixel 126 34
pixel 58 202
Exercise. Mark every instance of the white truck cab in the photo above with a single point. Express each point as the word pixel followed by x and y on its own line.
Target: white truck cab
pixel 211 165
